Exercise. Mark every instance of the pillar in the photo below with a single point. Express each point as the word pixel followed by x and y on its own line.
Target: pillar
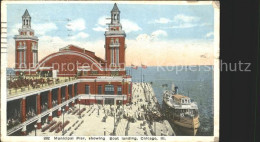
pixel 59 96
pixel 66 93
pixel 59 102
pixel 23 132
pixel 67 107
pixel 72 91
pixel 38 103
pixel 23 113
pixel 49 100
pixel 50 117
pixel 39 123
pixel 59 112
pixel 72 103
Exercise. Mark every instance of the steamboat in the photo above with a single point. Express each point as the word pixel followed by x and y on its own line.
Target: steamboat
pixel 181 112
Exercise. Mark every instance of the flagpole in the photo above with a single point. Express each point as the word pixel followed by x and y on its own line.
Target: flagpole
pixel 141 73
pixel 131 71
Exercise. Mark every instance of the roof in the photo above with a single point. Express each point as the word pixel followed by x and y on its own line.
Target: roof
pixel 26 14
pixel 178 96
pixel 115 8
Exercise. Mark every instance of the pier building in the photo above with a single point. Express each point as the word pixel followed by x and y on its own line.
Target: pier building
pixel 40 90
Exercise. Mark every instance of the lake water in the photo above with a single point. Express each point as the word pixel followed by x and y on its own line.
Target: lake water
pixel 193 81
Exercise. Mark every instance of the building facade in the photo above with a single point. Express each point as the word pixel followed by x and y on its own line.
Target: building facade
pixel 89 78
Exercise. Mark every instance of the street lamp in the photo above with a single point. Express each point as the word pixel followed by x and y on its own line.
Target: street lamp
pixel 79 109
pixel 35 126
pixel 63 112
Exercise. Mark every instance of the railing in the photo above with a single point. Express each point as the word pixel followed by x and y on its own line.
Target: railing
pixel 35 118
pixel 29 90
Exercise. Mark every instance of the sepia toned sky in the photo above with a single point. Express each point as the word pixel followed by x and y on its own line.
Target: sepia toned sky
pixel 156 34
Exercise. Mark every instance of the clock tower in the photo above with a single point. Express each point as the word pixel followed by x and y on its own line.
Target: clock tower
pixel 115 42
pixel 26 46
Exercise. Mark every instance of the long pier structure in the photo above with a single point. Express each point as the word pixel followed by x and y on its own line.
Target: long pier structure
pixel 141 117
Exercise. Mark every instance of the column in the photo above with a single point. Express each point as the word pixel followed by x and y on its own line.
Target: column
pixel 50 116
pixel 59 101
pixel 38 103
pixel 59 112
pixel 67 107
pixel 66 93
pixel 39 123
pixel 49 100
pixel 23 113
pixel 72 90
pixel 24 130
pixel 72 103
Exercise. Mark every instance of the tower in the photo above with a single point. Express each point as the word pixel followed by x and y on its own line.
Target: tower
pixel 115 42
pixel 26 46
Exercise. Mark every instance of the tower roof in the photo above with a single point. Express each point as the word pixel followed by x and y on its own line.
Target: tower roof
pixel 26 14
pixel 115 8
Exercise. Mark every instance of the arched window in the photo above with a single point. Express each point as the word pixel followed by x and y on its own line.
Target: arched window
pixel 20 44
pixel 24 44
pixel 112 41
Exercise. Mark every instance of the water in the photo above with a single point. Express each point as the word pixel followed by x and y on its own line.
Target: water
pixel 195 82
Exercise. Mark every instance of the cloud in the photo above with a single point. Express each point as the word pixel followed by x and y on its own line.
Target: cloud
pixel 183 25
pixel 99 29
pixel 185 18
pixel 80 35
pixel 153 36
pixel 101 24
pixel 159 33
pixel 42 29
pixel 102 21
pixel 14 30
pixel 127 25
pixel 180 21
pixel 130 26
pixel 76 25
pixel 210 34
pixel 162 20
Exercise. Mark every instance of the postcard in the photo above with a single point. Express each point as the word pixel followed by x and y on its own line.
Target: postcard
pixel 110 71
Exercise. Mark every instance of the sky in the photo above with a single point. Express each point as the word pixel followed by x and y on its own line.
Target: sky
pixel 156 34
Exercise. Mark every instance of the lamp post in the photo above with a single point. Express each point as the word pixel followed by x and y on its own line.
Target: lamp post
pixel 79 109
pixel 104 131
pixel 63 112
pixel 35 126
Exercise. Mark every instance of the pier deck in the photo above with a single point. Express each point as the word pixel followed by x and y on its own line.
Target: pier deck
pixel 137 119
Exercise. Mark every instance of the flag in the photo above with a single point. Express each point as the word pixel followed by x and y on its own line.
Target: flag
pixel 134 67
pixel 144 66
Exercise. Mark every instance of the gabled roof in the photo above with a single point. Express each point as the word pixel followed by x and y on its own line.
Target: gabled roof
pixel 26 14
pixel 115 8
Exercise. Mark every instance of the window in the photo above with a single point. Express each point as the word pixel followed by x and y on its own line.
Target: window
pixel 117 56
pixel 114 73
pixel 119 90
pixel 112 41
pixel 20 57
pixel 129 88
pixel 87 89
pixel 94 72
pixel 109 89
pixel 20 45
pixel 99 89
pixel 112 56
